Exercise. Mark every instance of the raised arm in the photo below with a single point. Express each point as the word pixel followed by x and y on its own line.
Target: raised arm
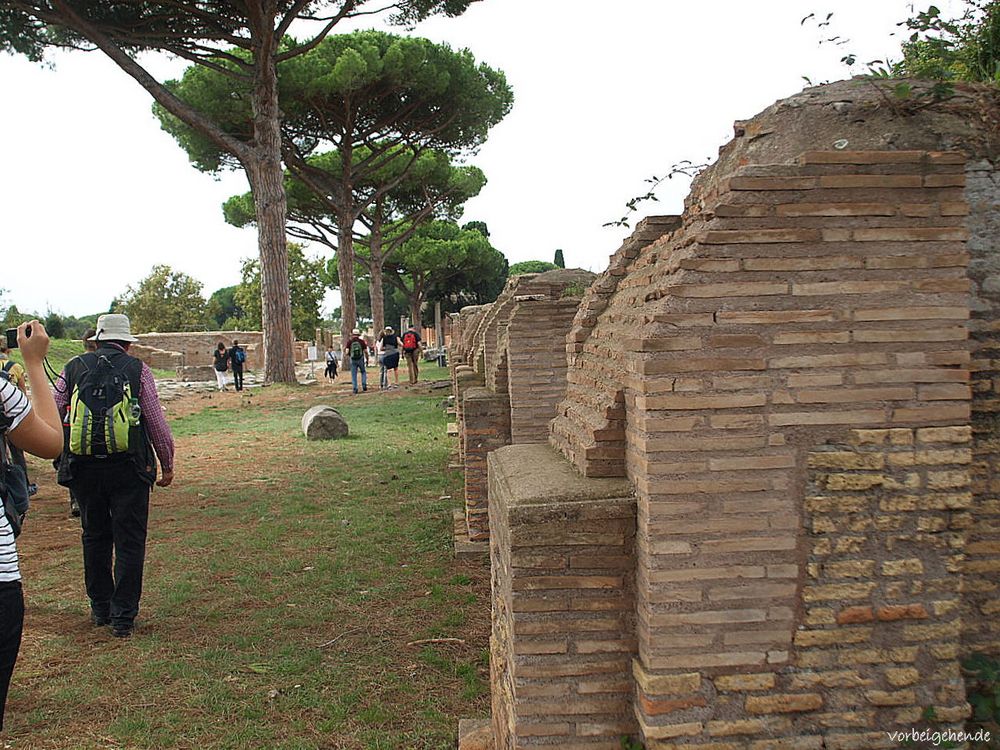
pixel 40 432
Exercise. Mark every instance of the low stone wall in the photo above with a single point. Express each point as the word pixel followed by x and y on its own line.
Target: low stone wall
pixel 157 358
pixel 195 348
pixel 563 623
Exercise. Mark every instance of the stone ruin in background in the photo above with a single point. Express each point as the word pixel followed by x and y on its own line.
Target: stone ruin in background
pixel 190 352
pixel 767 514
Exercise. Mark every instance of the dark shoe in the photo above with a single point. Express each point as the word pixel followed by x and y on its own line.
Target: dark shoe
pixel 100 620
pixel 32 489
pixel 122 629
pixel 74 508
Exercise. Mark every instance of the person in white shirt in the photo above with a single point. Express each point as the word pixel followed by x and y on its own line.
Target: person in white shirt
pixel 33 426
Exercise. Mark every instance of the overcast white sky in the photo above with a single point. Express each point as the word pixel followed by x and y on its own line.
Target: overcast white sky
pixel 93 193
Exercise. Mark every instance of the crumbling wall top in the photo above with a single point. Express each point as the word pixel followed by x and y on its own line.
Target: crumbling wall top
pixel 860 114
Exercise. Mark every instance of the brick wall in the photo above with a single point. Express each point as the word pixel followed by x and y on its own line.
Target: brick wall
pixel 589 426
pixel 805 301
pixel 783 375
pixel 784 378
pixel 486 427
pixel 981 614
pixel 536 373
pixel 157 358
pixel 562 640
pixel 515 349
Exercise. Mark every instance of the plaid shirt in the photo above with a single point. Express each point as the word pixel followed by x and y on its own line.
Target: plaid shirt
pixel 152 414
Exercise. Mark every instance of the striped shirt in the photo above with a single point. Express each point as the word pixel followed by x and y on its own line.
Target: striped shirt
pixel 14 406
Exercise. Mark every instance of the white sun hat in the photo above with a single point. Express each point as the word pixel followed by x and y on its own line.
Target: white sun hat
pixel 113 327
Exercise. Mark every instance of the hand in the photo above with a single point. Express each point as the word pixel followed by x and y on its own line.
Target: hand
pixel 35 347
pixel 165 479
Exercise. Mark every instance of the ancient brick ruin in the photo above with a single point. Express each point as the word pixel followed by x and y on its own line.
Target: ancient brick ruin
pixel 767 515
pixel 508 366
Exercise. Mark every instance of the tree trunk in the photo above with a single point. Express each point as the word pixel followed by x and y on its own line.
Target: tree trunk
pixel 375 288
pixel 345 243
pixel 345 269
pixel 377 293
pixel 416 303
pixel 266 176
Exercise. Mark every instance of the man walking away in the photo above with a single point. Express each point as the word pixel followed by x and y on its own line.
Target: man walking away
pixel 237 358
pixel 113 425
pixel 411 350
pixel 357 351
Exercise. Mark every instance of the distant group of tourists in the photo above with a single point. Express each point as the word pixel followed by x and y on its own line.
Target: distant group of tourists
pixel 234 357
pixel 103 424
pixel 387 349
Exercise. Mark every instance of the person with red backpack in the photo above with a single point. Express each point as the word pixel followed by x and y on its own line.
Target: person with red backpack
pixel 411 350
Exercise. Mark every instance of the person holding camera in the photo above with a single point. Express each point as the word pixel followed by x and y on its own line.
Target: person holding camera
pixel 33 425
pixel 12 371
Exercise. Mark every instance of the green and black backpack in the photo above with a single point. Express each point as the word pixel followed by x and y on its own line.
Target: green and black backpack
pixel 103 420
pixel 357 350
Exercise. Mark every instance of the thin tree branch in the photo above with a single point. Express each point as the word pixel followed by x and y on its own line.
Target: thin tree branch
pixel 170 102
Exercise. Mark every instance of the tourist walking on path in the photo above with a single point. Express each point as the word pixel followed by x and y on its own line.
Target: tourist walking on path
pixel 357 351
pixel 32 426
pixel 109 464
pixel 221 360
pixel 411 350
pixel 331 364
pixel 237 356
pixel 390 356
pixel 14 373
pixel 383 381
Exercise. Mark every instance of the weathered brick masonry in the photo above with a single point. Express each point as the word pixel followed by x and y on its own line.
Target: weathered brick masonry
pixel 782 379
pixel 563 577
pixel 509 373
pixel 981 614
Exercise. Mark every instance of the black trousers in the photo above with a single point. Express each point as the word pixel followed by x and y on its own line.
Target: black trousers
pixel 11 624
pixel 114 512
pixel 238 377
pixel 17 456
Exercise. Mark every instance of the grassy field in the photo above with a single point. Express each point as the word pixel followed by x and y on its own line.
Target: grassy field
pixel 286 581
pixel 62 351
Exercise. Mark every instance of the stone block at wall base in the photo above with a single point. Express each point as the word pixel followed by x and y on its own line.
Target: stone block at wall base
pixel 563 623
pixel 465 548
pixel 475 734
pixel 196 373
